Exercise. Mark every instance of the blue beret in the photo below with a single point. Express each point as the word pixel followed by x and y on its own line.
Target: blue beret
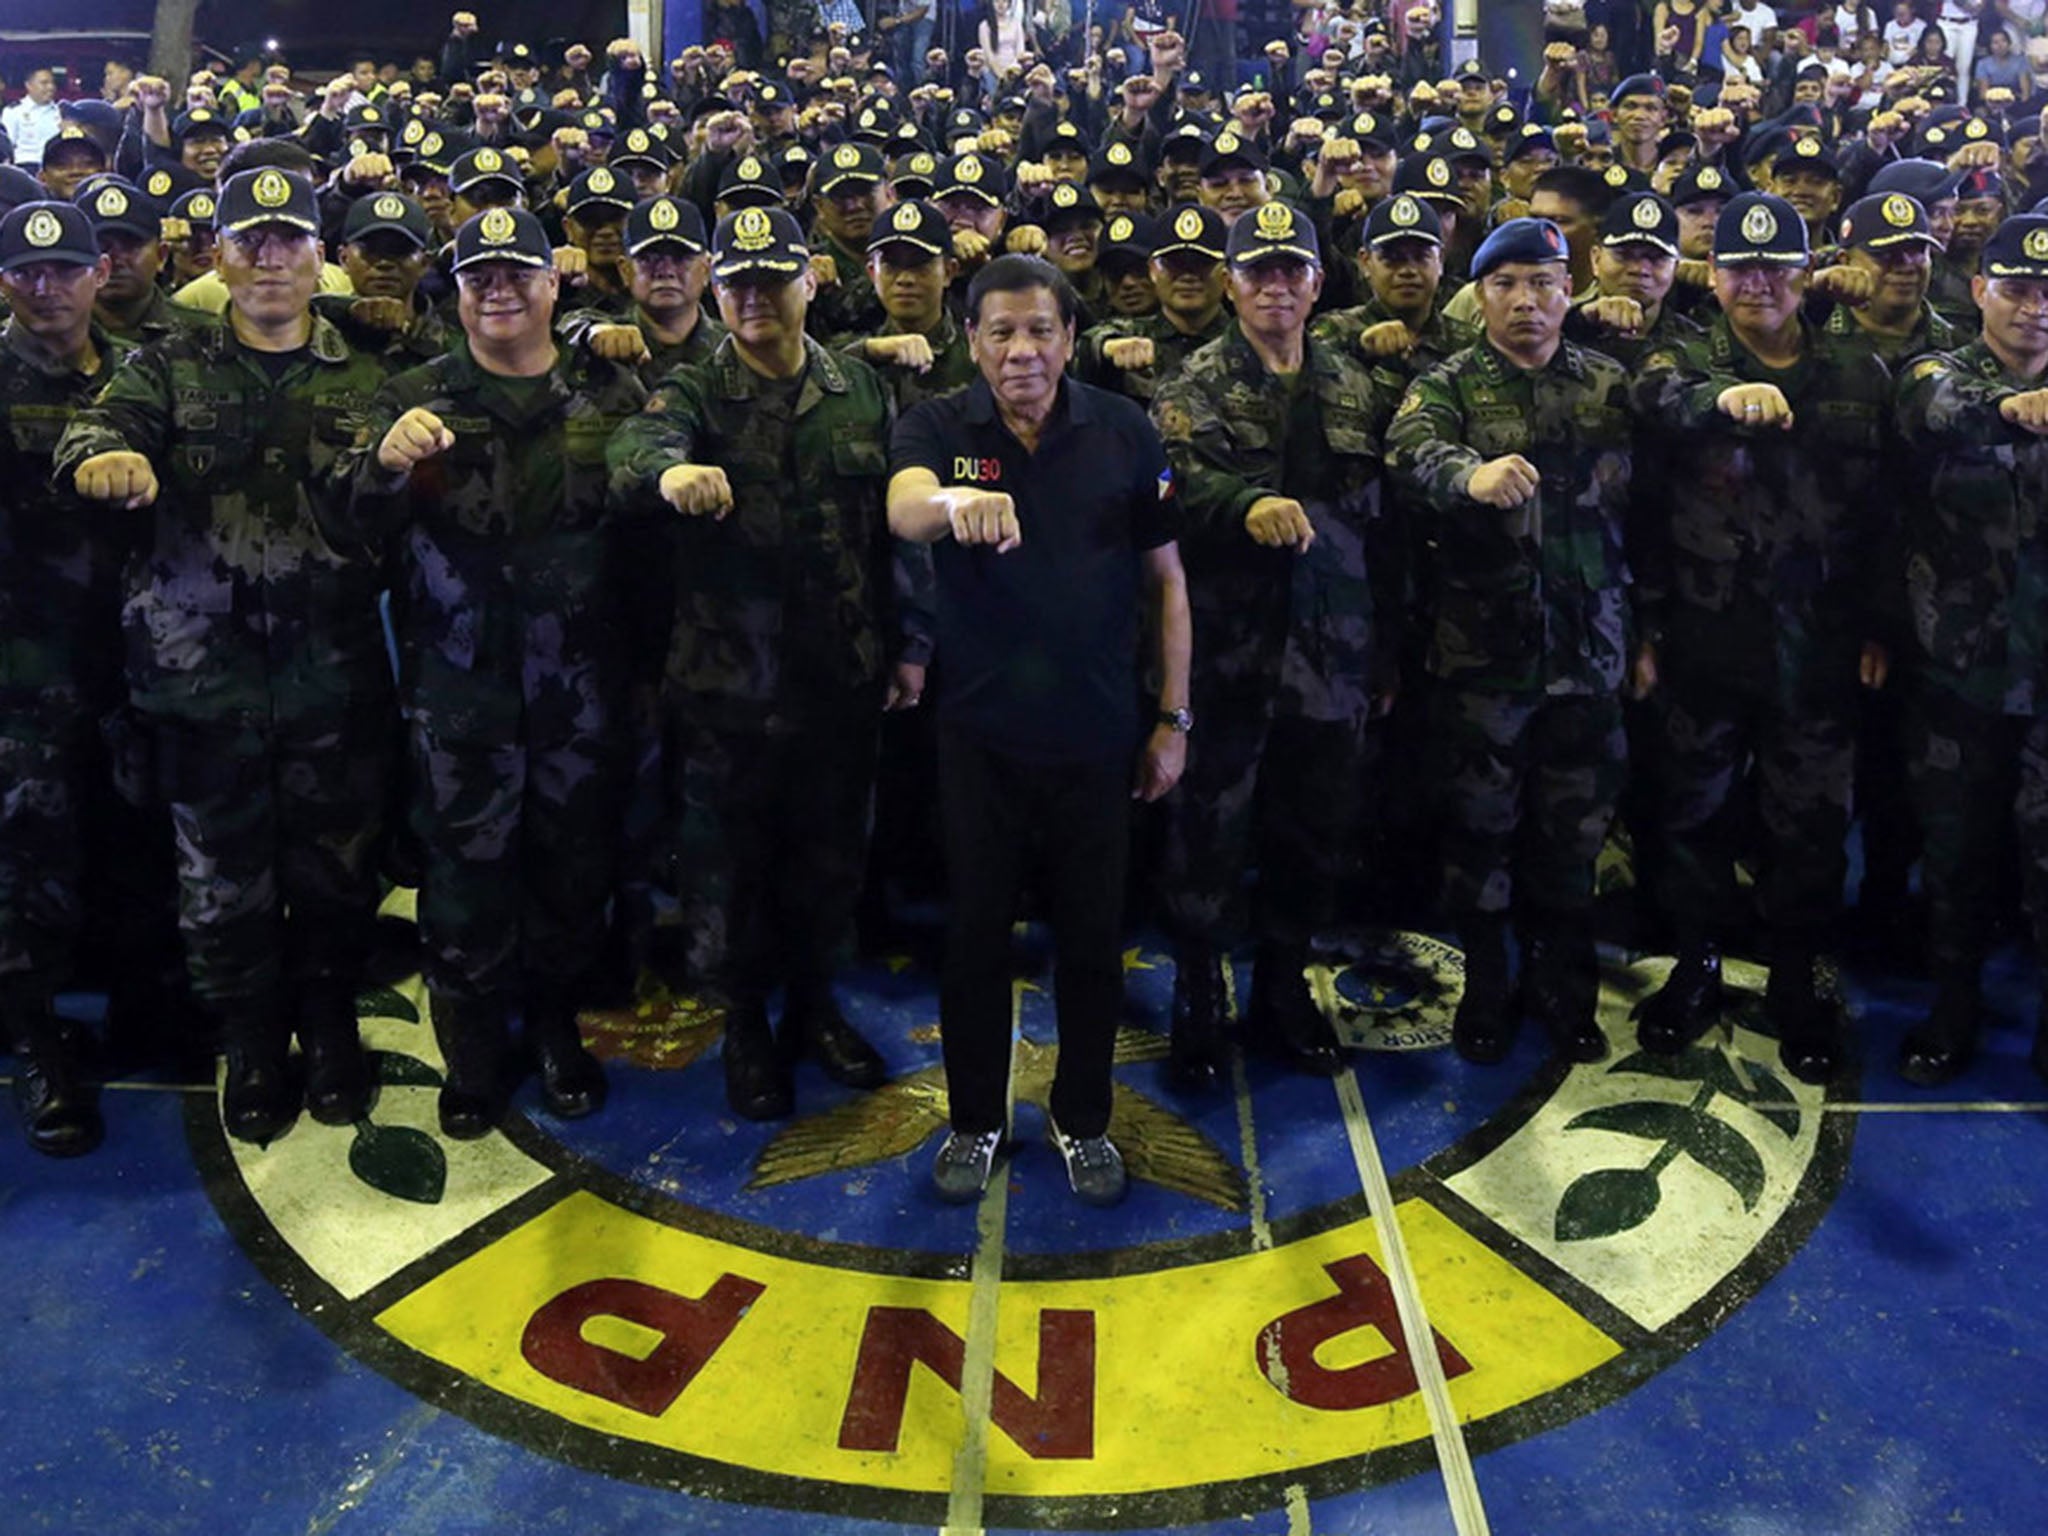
pixel 1529 240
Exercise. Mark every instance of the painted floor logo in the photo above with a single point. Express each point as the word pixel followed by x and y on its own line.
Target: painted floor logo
pixel 1567 1248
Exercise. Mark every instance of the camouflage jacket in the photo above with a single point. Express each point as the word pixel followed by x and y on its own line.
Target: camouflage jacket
pixel 1308 635
pixel 849 307
pixel 1930 333
pixel 1670 329
pixel 783 604
pixel 1763 552
pixel 427 337
pixel 1441 336
pixel 60 561
pixel 952 368
pixel 1535 598
pixel 1171 347
pixel 573 330
pixel 1972 534
pixel 505 538
pixel 1949 294
pixel 159 318
pixel 237 605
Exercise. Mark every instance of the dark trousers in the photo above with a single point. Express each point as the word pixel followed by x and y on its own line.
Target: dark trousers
pixel 1006 820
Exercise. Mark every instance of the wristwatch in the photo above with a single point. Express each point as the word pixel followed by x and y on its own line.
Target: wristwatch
pixel 1182 719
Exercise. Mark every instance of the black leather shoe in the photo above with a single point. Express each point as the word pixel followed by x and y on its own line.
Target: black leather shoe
pixel 1483 1029
pixel 338 1079
pixel 1809 1041
pixel 757 1085
pixel 1685 1007
pixel 814 1027
pixel 59 1109
pixel 1195 1050
pixel 1939 1047
pixel 572 1082
pixel 260 1097
pixel 467 1113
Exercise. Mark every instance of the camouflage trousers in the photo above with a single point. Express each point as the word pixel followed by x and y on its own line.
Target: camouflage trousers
pixel 1720 738
pixel 516 811
pixel 770 843
pixel 1979 782
pixel 82 872
pixel 1530 783
pixel 277 828
pixel 1278 795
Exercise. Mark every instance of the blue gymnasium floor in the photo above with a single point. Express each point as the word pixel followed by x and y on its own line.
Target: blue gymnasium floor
pixel 1697 1299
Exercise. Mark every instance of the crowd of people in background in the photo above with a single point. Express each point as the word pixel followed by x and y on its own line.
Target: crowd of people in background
pixel 675 517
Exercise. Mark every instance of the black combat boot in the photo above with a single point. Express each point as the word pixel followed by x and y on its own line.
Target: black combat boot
pixel 1809 1037
pixel 58 1105
pixel 1941 1045
pixel 1562 984
pixel 1483 1031
pixel 572 1083
pixel 1283 1016
pixel 338 1079
pixel 1686 1006
pixel 475 1045
pixel 757 1085
pixel 1195 1055
pixel 260 1096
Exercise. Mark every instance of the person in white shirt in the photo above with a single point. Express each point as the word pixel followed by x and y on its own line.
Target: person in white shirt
pixel 1958 21
pixel 34 120
pixel 1851 22
pixel 1761 19
pixel 1738 57
pixel 1902 34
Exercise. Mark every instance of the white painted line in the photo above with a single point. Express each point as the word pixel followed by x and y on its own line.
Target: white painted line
pixel 978 1365
pixel 1963 1107
pixel 1453 1457
pixel 1297 1511
pixel 1247 1132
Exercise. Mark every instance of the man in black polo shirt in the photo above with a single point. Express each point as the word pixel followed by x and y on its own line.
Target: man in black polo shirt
pixel 1046 502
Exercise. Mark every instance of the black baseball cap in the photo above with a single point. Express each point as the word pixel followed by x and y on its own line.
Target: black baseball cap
pixel 166 183
pixel 1702 183
pixel 502 234
pixel 2017 248
pixel 1069 204
pixel 114 204
pixel 199 123
pixel 1193 227
pixel 1404 216
pixel 974 172
pixel 748 181
pixel 74 141
pixel 1757 229
pixel 1884 221
pixel 195 207
pixel 476 166
pixel 639 147
pixel 1117 163
pixel 386 213
pixel 45 230
pixel 851 162
pixel 1231 148
pixel 916 224
pixel 914 174
pixel 1128 239
pixel 600 187
pixel 1429 177
pixel 267 196
pixel 759 240
pixel 1640 218
pixel 1809 154
pixel 1529 139
pixel 664 220
pixel 18 187
pixel 1272 229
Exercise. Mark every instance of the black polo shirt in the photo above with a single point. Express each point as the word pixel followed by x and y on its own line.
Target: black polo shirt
pixel 1038 648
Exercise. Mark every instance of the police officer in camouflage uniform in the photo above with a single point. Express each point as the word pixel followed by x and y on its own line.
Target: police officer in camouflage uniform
pixel 774 453
pixel 255 653
pixel 666 268
pixel 486 470
pixel 1515 455
pixel 1401 328
pixel 1137 356
pixel 1975 594
pixel 845 192
pixel 1757 570
pixel 133 308
pixel 1635 264
pixel 1294 582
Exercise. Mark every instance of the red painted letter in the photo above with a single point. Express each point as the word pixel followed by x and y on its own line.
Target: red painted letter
pixel 692 1331
pixel 1287 1346
pixel 1057 1424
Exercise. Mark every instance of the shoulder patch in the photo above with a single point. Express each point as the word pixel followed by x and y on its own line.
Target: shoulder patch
pixel 1175 424
pixel 1926 367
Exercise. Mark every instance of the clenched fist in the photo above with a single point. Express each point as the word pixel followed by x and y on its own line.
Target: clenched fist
pixel 1128 352
pixel 697 490
pixel 571 263
pixel 2027 411
pixel 981 517
pixel 1280 522
pixel 913 352
pixel 1390 338
pixel 1756 405
pixel 1025 239
pixel 392 315
pixel 1504 482
pixel 123 477
pixel 619 343
pixel 1845 285
pixel 418 434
